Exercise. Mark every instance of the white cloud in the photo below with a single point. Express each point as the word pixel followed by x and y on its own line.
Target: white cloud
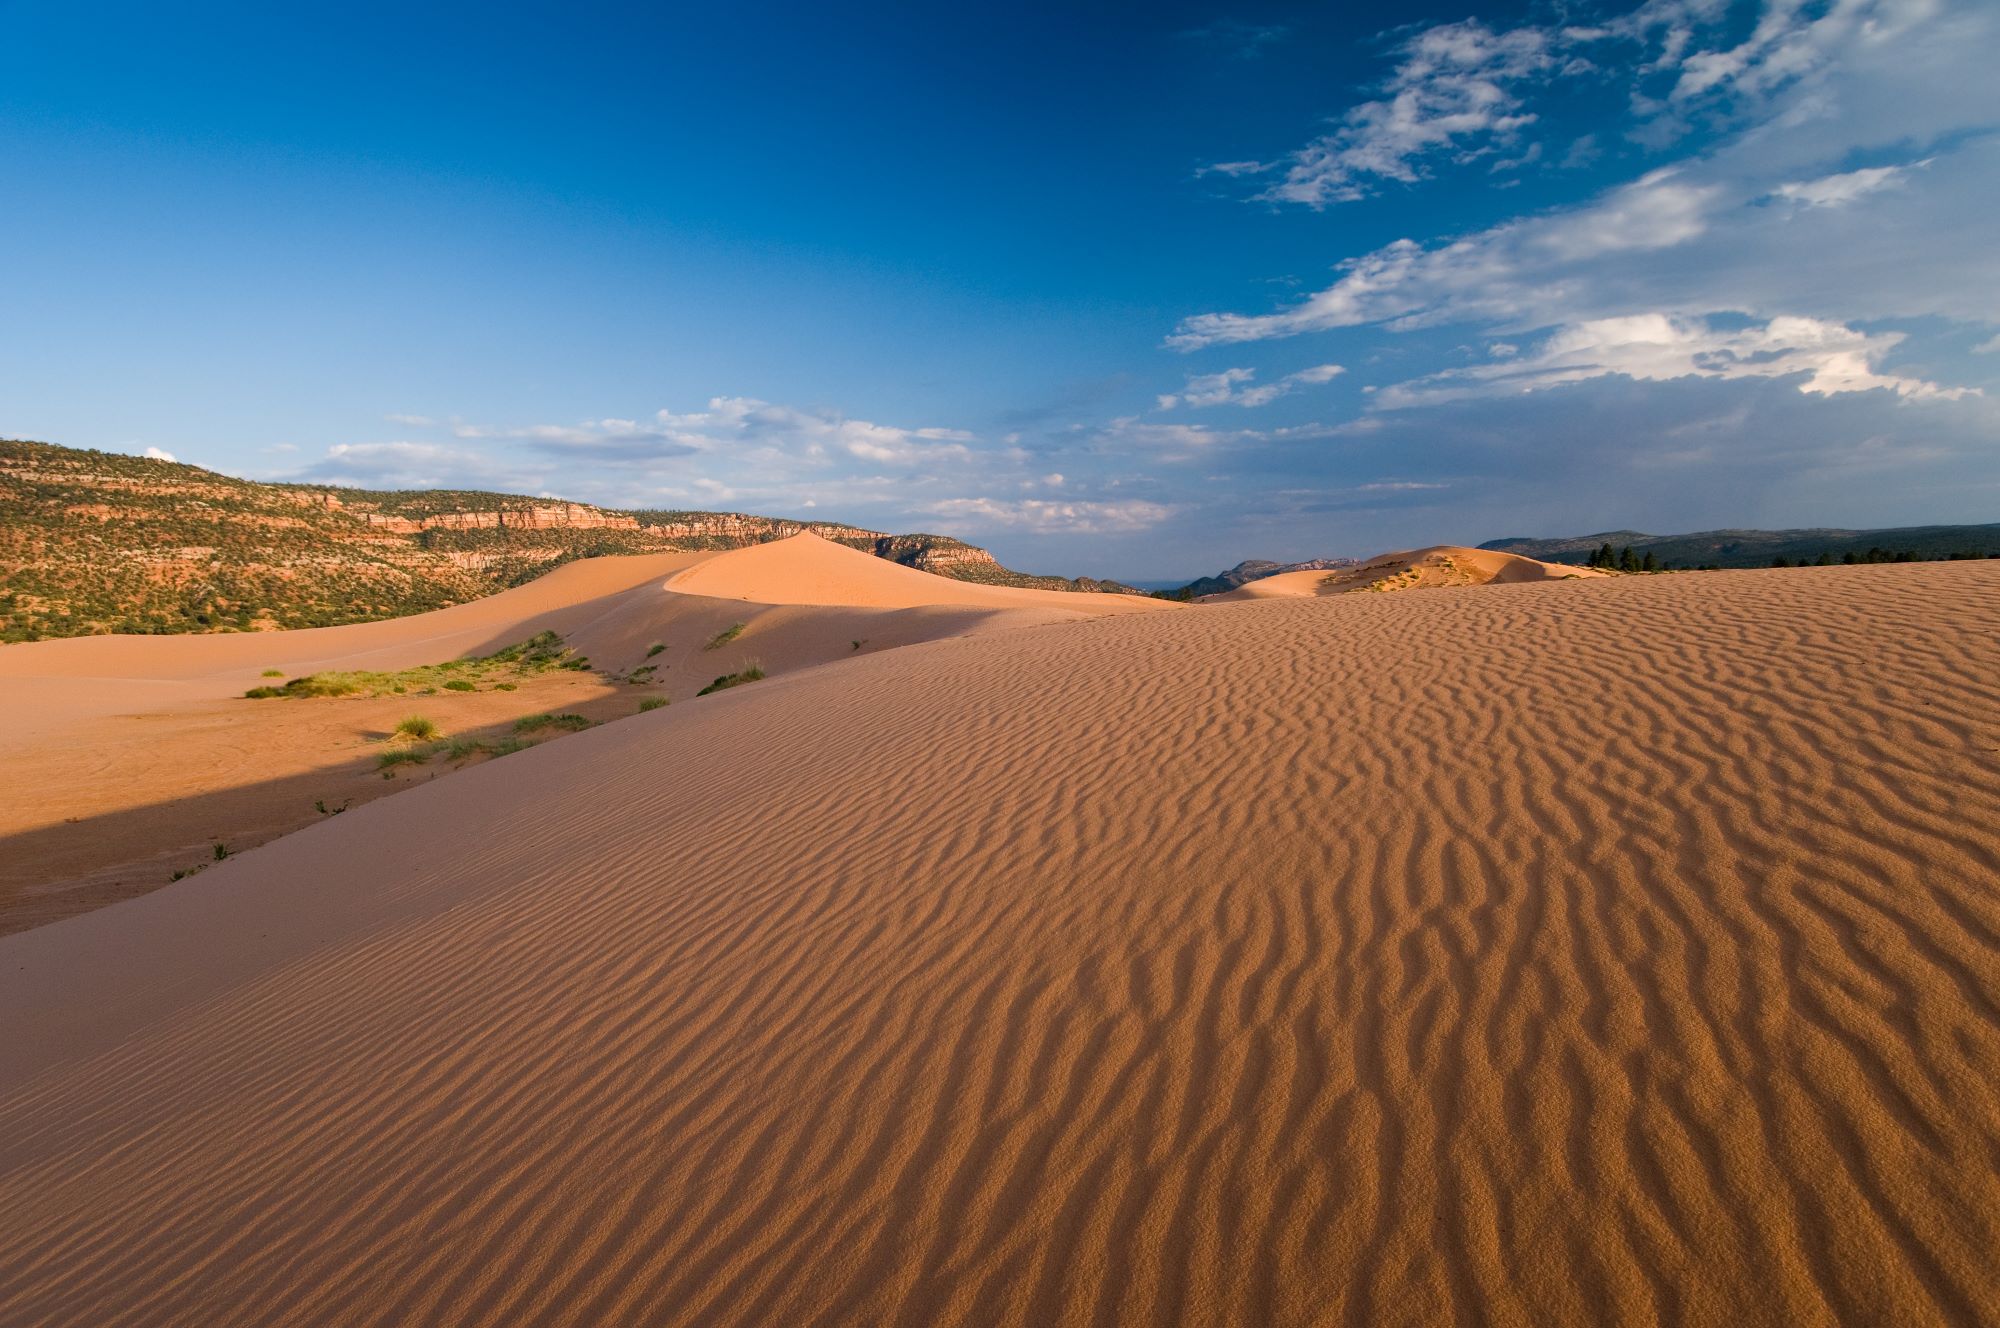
pixel 1232 387
pixel 1497 273
pixel 1829 358
pixel 1991 346
pixel 1041 515
pixel 1844 188
pixel 1208 389
pixel 1452 90
pixel 158 454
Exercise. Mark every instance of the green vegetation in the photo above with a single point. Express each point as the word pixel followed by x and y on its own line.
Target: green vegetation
pixel 655 648
pixel 725 636
pixel 416 728
pixel 569 723
pixel 272 673
pixel 728 680
pixel 542 653
pixel 652 703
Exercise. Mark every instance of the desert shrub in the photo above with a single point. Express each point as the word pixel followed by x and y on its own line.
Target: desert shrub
pixel 655 648
pixel 264 693
pixel 417 728
pixel 725 636
pixel 651 703
pixel 728 680
pixel 387 761
pixel 272 673
pixel 459 685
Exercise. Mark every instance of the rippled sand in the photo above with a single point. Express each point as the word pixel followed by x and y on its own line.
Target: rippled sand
pixel 1601 951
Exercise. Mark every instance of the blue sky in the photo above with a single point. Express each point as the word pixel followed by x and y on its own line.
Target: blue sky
pixel 1134 292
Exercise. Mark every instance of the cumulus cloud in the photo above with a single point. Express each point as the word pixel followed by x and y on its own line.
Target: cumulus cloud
pixel 159 454
pixel 1827 358
pixel 1042 515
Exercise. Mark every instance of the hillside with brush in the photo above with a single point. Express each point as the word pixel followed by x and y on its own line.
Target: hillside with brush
pixel 96 542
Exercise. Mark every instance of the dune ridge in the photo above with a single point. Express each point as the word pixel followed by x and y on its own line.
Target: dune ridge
pixel 1551 953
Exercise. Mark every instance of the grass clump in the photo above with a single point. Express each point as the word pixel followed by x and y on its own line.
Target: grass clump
pixel 568 723
pixel 652 703
pixel 272 673
pixel 655 648
pixel 460 685
pixel 725 636
pixel 416 728
pixel 751 674
pixel 386 762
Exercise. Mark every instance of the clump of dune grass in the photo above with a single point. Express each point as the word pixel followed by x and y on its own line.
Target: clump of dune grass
pixel 387 761
pixel 570 723
pixel 655 648
pixel 460 685
pixel 272 673
pixel 415 728
pixel 651 703
pixel 751 673
pixel 725 636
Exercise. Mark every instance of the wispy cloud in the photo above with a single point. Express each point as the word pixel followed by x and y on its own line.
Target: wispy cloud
pixel 1844 188
pixel 1452 93
pixel 1045 516
pixel 1233 387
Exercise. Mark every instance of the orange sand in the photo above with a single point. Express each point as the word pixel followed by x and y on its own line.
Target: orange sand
pixel 145 754
pixel 1568 953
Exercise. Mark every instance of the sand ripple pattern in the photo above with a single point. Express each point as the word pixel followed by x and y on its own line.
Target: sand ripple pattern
pixel 1598 952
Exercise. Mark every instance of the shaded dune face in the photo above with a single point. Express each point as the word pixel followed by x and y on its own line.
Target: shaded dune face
pixel 1621 951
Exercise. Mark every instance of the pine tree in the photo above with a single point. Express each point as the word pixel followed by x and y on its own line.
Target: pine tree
pixel 1626 561
pixel 1646 564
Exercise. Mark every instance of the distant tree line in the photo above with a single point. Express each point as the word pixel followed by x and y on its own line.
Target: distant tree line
pixel 1625 560
pixel 1622 561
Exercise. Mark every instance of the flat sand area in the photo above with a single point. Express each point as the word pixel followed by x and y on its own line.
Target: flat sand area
pixel 1605 951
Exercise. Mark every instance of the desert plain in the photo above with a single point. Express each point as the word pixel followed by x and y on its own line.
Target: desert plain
pixel 1514 948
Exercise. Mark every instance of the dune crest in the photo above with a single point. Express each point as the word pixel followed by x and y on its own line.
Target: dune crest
pixel 1166 968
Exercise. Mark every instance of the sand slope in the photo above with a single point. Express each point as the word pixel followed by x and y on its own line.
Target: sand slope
pixel 146 754
pixel 1540 954
pixel 1413 569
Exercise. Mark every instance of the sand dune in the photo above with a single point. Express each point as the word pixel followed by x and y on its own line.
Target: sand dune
pixel 1414 569
pixel 1541 954
pixel 146 753
pixel 806 569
